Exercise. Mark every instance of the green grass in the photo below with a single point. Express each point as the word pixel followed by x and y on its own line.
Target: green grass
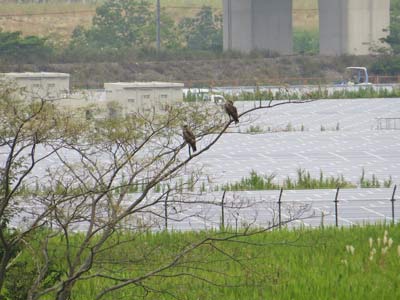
pixel 296 264
pixel 374 182
pixel 253 182
pixel 321 93
pixel 303 181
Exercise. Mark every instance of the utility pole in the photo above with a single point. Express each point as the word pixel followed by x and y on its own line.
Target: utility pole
pixel 158 27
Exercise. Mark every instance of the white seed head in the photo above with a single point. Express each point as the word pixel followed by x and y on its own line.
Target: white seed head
pixel 372 253
pixel 390 242
pixel 371 257
pixel 384 250
pixel 371 242
pixel 385 240
pixel 350 249
pixel 398 250
pixel 344 261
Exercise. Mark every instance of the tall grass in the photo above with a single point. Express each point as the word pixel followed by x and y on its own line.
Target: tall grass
pixel 346 263
pixel 303 181
pixel 321 93
pixel 374 182
pixel 254 182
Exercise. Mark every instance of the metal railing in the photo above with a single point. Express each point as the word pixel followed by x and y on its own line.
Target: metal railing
pixel 388 123
pixel 374 79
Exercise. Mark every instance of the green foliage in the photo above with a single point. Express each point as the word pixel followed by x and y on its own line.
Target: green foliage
pixel 204 31
pixel 254 182
pixel 23 269
pixel 387 65
pixel 306 42
pixel 393 39
pixel 320 93
pixel 303 181
pixel 284 264
pixel 19 279
pixel 123 24
pixel 19 276
pixel 30 49
pixel 374 182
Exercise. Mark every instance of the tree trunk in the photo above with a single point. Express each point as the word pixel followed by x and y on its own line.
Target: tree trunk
pixel 65 292
pixel 3 269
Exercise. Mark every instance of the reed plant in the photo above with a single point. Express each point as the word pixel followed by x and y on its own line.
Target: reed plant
pixel 320 93
pixel 304 180
pixel 374 181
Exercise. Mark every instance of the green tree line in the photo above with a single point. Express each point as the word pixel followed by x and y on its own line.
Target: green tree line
pixel 120 28
pixel 127 29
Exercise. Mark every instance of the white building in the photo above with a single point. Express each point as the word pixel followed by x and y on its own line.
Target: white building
pixel 39 84
pixel 134 96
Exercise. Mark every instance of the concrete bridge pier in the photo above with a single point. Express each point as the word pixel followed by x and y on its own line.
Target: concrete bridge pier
pixel 258 24
pixel 352 26
pixel 346 26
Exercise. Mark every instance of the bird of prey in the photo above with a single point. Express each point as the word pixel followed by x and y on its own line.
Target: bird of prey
pixel 231 111
pixel 189 137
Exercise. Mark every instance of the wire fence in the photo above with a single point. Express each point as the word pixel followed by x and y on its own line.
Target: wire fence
pixel 316 208
pixel 233 210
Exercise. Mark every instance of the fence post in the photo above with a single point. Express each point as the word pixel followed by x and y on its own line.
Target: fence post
pixel 393 200
pixel 166 211
pixel 336 208
pixel 280 209
pixel 223 211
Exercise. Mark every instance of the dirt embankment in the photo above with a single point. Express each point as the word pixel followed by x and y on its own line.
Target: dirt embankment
pixel 279 70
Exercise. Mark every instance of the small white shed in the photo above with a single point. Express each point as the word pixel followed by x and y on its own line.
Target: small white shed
pixel 40 84
pixel 133 96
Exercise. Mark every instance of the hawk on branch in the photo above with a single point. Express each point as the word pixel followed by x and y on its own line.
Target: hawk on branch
pixel 189 137
pixel 231 111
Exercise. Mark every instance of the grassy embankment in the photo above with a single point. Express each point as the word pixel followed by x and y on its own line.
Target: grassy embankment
pixel 297 264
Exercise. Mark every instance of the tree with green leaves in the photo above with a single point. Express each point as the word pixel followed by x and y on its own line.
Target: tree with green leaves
pixel 107 178
pixel 15 47
pixel 204 31
pixel 122 24
pixel 393 38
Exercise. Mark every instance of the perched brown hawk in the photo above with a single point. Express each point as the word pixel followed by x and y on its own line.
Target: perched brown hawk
pixel 231 111
pixel 189 137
